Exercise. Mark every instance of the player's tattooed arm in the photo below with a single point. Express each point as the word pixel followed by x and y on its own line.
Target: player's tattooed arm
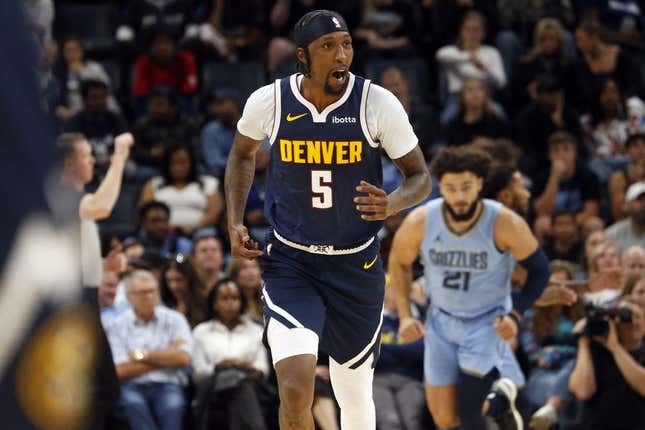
pixel 240 170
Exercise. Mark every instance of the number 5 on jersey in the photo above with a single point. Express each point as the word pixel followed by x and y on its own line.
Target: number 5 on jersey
pixel 321 188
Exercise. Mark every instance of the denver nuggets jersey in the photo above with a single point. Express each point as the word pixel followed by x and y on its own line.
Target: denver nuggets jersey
pixel 466 275
pixel 317 160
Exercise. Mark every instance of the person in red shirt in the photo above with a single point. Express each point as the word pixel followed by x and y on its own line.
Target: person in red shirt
pixel 164 64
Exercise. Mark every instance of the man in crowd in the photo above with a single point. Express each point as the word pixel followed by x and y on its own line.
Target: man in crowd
pixel 208 257
pixel 633 260
pixel 631 231
pixel 154 232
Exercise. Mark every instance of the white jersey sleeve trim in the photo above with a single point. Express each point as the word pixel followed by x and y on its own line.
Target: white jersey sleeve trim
pixel 363 114
pixel 388 123
pixel 257 119
pixel 277 112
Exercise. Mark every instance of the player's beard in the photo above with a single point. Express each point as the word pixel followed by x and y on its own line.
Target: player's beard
pixel 467 216
pixel 335 91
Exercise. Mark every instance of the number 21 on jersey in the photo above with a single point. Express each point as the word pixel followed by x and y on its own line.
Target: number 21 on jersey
pixel 321 188
pixel 456 280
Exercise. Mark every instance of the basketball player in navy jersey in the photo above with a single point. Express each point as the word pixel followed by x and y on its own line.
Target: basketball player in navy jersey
pixel 467 245
pixel 324 282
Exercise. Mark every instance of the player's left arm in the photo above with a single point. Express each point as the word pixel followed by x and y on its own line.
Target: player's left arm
pixel 513 233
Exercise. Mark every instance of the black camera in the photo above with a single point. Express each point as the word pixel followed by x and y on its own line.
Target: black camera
pixel 598 318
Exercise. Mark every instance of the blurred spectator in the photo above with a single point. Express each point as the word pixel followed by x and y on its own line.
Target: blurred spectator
pixel 631 231
pixel 254 217
pixel 592 241
pixel 165 64
pixel 231 32
pixel 607 375
pixel 106 296
pixel 565 241
pixel 182 290
pixel 421 116
pixel 469 58
pixel 72 70
pixel 143 17
pixel 599 61
pixel 547 338
pixel 606 275
pixel 152 348
pixel 633 260
pixel 133 249
pixel 635 288
pixel 97 122
pixel 635 114
pixel 41 17
pixel 208 257
pixel 194 200
pixel 285 13
pixel 230 359
pixel 163 127
pixel 398 389
pixel 621 180
pixel 388 29
pixel 505 184
pixel 224 110
pixel 544 116
pixel 547 57
pixel 155 233
pixel 247 275
pixel 448 15
pixel 569 185
pixel 476 117
pixel 51 97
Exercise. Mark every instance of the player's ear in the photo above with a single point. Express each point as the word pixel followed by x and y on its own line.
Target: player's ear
pixel 300 55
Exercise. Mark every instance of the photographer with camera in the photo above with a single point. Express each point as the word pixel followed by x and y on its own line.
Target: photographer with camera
pixel 609 374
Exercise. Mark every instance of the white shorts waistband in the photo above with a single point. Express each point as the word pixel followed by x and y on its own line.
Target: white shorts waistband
pixel 322 249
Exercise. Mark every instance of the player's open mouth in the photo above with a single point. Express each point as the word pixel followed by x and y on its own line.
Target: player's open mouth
pixel 340 74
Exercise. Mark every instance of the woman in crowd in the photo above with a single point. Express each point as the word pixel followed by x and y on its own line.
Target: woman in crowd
pixel 195 200
pixel 182 290
pixel 229 359
pixel 635 288
pixel 246 274
pixel 591 242
pixel 469 58
pixel 622 179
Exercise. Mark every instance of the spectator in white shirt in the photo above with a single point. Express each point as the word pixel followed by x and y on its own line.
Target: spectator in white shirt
pixel 469 58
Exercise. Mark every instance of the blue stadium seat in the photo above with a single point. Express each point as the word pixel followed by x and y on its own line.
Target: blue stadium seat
pixel 95 24
pixel 244 77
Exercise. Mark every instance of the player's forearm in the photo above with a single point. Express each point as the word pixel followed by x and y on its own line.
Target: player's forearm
pixel 401 280
pixel 106 195
pixel 240 170
pixel 413 190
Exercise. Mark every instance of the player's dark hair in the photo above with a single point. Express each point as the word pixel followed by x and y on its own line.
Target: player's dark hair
pixel 212 297
pixel 498 179
pixel 66 145
pixel 155 204
pixel 90 84
pixel 459 159
pixel 304 68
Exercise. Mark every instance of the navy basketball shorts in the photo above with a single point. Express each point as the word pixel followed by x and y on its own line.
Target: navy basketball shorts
pixel 339 297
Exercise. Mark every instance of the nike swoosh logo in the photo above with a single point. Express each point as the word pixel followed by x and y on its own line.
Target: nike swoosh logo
pixel 293 118
pixel 371 263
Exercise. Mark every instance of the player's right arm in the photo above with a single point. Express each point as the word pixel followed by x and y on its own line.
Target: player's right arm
pixel 404 251
pixel 99 204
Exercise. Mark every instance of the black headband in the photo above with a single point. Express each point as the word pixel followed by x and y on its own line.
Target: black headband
pixel 315 24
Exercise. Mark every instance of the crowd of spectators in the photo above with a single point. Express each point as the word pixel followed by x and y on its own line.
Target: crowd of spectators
pixel 553 90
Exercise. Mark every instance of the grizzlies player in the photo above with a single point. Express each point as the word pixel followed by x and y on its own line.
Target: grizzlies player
pixel 323 280
pixel 466 245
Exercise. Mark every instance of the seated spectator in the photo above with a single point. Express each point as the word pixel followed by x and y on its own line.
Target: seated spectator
pixel 631 231
pixel 254 217
pixel 163 127
pixel 97 122
pixel 469 58
pixel 165 65
pixel 599 62
pixel 399 397
pixel 606 276
pixel 568 186
pixel 230 32
pixel 41 18
pixel 475 118
pixel 106 297
pixel 72 71
pixel 248 276
pixel 194 200
pixel 534 124
pixel 633 260
pixel 143 17
pixel 593 240
pixel 133 249
pixel 224 109
pixel 606 125
pixel 547 338
pixel 635 288
pixel 230 359
pixel 607 376
pixel 634 172
pixel 547 56
pixel 208 257
pixel 421 116
pixel 181 290
pixel 565 242
pixel 388 29
pixel 155 233
pixel 151 346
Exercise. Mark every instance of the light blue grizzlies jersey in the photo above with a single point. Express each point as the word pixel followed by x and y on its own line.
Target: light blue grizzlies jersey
pixel 466 275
